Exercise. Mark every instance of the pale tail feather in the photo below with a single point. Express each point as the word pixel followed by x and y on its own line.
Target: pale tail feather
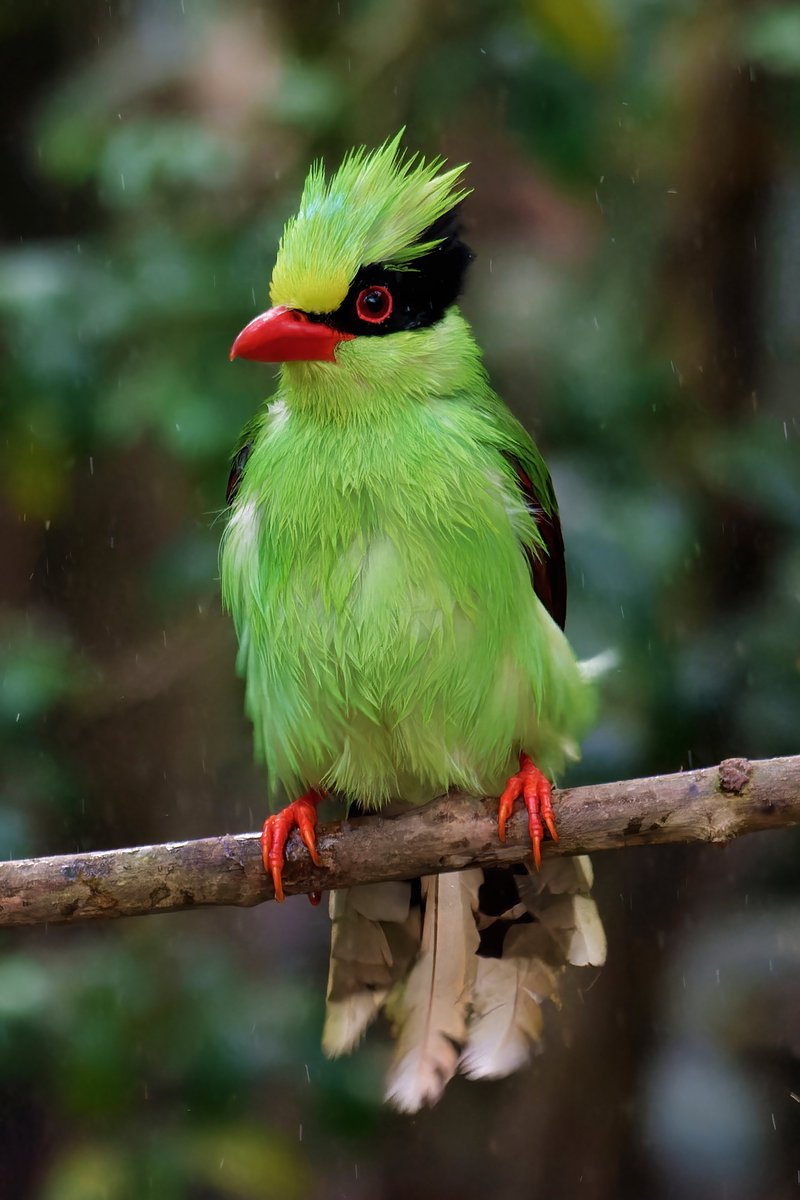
pixel 506 1020
pixel 374 937
pixel 558 896
pixel 464 990
pixel 575 925
pixel 430 1011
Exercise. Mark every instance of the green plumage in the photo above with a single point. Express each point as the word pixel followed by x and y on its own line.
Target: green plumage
pixel 390 637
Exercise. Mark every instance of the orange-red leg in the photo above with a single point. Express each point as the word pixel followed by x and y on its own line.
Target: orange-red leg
pixel 535 789
pixel 300 814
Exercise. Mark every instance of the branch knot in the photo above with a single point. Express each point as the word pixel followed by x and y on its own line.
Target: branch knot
pixel 734 775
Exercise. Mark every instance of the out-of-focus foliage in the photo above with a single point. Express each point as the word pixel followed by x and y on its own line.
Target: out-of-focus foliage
pixel 636 169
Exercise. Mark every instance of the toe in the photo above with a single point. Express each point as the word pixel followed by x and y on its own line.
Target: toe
pixel 276 872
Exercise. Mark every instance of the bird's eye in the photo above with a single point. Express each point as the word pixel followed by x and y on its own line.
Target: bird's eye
pixel 374 304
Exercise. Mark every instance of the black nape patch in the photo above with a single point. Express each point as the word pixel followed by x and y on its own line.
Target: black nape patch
pixel 421 293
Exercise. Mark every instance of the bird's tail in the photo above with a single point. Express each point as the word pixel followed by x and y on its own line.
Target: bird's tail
pixel 461 963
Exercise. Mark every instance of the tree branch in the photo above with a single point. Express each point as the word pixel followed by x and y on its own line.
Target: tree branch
pixel 456 831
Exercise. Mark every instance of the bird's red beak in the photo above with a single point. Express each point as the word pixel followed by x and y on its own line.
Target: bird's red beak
pixel 286 335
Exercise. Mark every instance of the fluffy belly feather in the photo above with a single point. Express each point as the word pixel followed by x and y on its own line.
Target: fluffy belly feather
pixel 390 637
pixel 384 685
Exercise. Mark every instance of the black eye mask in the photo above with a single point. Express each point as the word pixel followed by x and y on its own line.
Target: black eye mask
pixel 382 300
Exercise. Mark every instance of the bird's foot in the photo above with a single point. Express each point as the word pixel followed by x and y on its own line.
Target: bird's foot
pixel 300 814
pixel 535 789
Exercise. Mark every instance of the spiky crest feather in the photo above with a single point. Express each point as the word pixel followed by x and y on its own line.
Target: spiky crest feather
pixel 373 209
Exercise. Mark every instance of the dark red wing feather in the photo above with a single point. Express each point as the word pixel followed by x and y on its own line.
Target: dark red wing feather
pixel 548 571
pixel 237 470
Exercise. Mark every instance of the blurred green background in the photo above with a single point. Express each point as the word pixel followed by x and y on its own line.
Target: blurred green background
pixel 636 219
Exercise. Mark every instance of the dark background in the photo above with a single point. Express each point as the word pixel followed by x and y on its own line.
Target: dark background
pixel 636 219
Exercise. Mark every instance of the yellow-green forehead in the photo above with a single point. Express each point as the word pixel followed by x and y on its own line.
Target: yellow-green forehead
pixel 372 210
pixel 317 259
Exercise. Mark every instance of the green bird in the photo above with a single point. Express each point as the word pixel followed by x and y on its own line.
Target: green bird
pixel 394 565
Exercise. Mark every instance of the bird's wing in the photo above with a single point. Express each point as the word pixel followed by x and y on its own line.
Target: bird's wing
pixel 544 552
pixel 546 562
pixel 237 469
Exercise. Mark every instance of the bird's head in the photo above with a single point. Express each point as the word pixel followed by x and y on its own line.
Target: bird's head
pixel 372 255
